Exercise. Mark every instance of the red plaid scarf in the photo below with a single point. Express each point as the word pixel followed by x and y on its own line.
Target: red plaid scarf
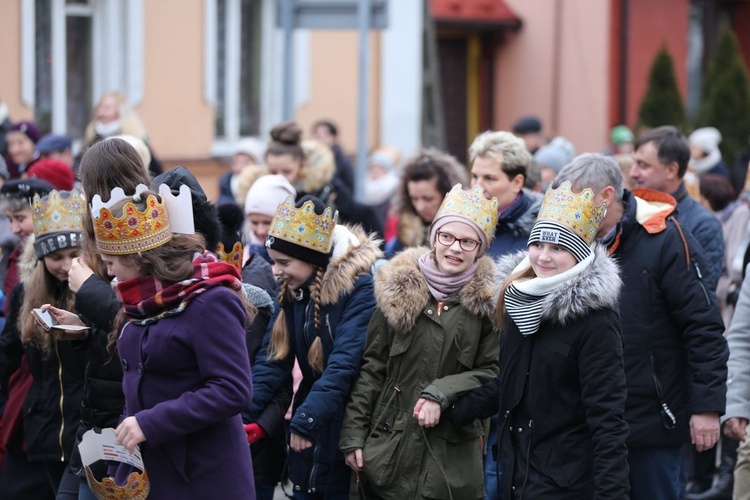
pixel 147 299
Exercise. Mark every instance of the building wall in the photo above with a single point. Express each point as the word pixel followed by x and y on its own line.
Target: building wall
pixel 180 123
pixel 10 60
pixel 334 85
pixel 560 75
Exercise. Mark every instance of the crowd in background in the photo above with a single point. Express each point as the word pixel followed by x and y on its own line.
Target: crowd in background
pixel 535 324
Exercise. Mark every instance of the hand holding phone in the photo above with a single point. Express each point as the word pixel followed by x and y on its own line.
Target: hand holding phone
pixel 50 319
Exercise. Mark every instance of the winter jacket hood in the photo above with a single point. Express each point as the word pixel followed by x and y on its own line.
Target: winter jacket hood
pixel 596 288
pixel 354 253
pixel 402 294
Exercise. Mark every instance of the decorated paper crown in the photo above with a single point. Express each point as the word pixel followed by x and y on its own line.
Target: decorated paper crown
pixel 137 231
pixel 303 227
pixel 575 212
pixel 233 256
pixel 471 205
pixel 58 212
pixel 103 445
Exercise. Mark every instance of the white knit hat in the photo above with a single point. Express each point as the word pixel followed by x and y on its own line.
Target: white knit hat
pixel 267 193
pixel 706 138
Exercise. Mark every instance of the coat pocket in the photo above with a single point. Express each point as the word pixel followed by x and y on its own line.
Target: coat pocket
pixel 380 456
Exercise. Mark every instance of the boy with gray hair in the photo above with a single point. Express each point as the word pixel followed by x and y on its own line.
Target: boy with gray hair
pixel 675 354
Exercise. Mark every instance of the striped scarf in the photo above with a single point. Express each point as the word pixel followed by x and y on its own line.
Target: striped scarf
pixel 524 300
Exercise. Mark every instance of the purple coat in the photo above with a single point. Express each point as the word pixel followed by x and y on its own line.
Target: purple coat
pixel 186 378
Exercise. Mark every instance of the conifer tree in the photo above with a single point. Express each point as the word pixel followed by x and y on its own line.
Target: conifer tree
pixel 725 100
pixel 662 103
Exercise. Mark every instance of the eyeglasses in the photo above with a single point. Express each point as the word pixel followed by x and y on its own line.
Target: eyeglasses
pixel 466 244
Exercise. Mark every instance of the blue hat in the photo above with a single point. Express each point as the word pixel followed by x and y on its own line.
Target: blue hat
pixel 51 143
pixel 527 125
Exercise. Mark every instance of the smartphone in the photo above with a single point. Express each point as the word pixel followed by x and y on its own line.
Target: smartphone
pixel 44 318
pixel 49 322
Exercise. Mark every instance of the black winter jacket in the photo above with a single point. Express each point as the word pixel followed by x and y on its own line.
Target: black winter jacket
pixel 103 399
pixel 671 325
pixel 561 393
pixel 52 409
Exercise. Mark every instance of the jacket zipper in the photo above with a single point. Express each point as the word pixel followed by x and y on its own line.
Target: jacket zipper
pixel 311 486
pixel 62 413
pixel 328 324
pixel 700 281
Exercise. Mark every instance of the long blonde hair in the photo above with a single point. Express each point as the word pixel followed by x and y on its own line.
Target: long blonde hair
pixel 41 288
pixel 279 345
pixel 525 273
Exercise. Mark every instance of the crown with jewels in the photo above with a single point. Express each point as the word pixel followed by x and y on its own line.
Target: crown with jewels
pixel 137 231
pixel 575 212
pixel 57 212
pixel 472 205
pixel 303 227
pixel 233 256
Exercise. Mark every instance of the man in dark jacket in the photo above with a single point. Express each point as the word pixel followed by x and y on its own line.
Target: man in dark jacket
pixel 660 162
pixel 675 354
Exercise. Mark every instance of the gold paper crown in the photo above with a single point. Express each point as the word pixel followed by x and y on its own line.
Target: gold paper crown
pixel 303 227
pixel 134 231
pixel 471 205
pixel 59 211
pixel 136 487
pixel 576 212
pixel 233 256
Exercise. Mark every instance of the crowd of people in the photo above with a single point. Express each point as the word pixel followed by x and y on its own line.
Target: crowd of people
pixel 535 324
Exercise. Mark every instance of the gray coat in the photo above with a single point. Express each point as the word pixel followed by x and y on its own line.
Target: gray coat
pixel 738 338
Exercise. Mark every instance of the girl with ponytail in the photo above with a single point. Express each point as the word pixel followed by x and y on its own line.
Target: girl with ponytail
pixel 325 302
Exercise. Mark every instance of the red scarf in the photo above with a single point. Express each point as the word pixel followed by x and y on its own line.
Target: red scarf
pixel 148 299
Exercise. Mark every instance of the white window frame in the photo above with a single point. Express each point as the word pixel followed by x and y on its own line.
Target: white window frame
pixel 117 52
pixel 271 64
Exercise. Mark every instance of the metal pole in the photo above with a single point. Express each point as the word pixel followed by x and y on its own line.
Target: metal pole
pixel 364 11
pixel 288 97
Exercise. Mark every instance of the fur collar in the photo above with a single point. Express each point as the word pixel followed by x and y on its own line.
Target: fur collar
pixel 342 272
pixel 27 261
pixel 401 291
pixel 411 230
pixel 596 288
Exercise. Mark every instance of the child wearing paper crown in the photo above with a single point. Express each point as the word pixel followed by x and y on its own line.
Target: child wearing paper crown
pixel 561 386
pixel 325 303
pixel 52 407
pixel 431 338
pixel 181 342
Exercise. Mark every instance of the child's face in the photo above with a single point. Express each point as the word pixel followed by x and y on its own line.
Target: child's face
pixel 293 272
pixel 120 268
pixel 260 225
pixel 21 223
pixel 58 263
pixel 550 260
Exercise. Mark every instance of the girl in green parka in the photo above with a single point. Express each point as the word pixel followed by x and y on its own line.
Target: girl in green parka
pixel 431 339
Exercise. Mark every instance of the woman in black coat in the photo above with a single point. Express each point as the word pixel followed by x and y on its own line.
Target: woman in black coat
pixel 561 387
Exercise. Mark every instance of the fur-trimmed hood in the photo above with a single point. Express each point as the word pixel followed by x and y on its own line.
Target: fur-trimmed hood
pixel 412 231
pixel 318 168
pixel 596 288
pixel 401 291
pixel 27 261
pixel 354 253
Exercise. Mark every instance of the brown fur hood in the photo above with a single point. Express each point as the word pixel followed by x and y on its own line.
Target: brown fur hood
pixel 402 294
pixel 318 168
pixel 27 261
pixel 354 252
